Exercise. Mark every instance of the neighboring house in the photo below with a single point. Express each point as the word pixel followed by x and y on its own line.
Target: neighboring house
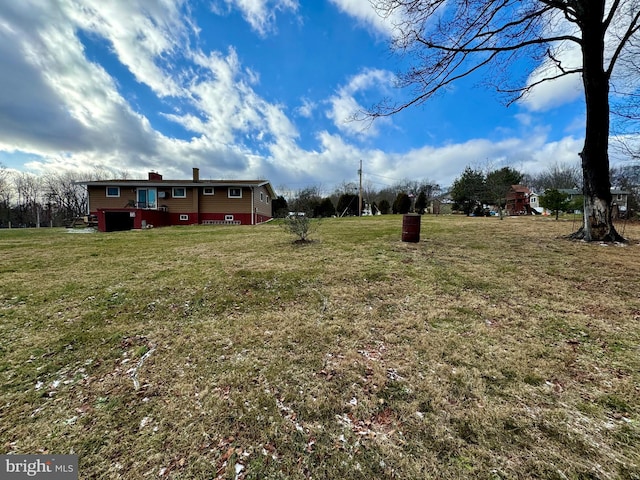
pixel 619 203
pixel 134 204
pixel 440 205
pixel 571 193
pixel 518 202
pixel 534 203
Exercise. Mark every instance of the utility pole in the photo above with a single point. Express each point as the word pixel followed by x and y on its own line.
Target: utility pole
pixel 360 191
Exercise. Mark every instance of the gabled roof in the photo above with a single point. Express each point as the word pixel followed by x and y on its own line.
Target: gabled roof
pixel 520 189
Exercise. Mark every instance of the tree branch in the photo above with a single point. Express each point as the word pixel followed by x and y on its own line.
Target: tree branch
pixel 631 30
pixel 503 48
pixel 428 93
pixel 612 12
pixel 521 92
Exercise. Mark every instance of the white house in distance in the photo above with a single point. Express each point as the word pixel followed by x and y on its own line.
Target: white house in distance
pixel 534 203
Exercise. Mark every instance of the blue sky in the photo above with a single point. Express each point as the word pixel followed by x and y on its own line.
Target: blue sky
pixel 249 89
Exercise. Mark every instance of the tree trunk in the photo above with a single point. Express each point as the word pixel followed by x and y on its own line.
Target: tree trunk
pixel 598 224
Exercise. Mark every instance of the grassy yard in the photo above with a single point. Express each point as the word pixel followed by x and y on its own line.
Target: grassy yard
pixel 490 349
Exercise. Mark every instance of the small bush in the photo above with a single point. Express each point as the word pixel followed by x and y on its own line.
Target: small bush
pixel 301 226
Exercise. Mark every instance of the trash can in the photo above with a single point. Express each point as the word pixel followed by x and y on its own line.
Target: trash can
pixel 411 228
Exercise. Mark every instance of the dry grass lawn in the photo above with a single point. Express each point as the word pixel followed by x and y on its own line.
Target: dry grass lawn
pixel 490 349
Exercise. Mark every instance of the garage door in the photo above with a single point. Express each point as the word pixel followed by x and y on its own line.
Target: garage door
pixel 116 221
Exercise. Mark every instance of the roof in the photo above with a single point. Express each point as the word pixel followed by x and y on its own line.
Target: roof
pixel 576 191
pixel 520 188
pixel 183 183
pixel 570 191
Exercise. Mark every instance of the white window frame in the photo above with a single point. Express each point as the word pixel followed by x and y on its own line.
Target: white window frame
pixel 234 196
pixel 261 196
pixel 228 218
pixel 112 196
pixel 173 192
pixel 204 190
pixel 184 217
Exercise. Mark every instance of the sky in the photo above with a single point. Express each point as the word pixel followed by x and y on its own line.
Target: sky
pixel 250 89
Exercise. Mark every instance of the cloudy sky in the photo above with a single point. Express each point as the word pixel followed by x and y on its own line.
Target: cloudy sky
pixel 248 89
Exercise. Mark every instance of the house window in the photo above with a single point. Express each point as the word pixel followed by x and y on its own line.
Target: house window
pixel 207 190
pixel 146 198
pixel 113 191
pixel 235 192
pixel 261 197
pixel 184 218
pixel 179 192
pixel 267 198
pixel 619 197
pixel 228 218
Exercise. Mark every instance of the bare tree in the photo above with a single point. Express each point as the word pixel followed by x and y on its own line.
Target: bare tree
pixel 625 105
pixel 29 189
pixel 65 196
pixel 5 195
pixel 557 176
pixel 452 39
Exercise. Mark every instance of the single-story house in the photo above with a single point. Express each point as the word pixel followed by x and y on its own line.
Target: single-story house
pixel 136 204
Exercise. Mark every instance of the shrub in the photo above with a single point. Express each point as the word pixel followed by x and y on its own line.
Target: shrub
pixel 301 226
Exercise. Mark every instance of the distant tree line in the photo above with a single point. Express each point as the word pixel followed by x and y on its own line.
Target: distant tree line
pixel 52 199
pixel 402 197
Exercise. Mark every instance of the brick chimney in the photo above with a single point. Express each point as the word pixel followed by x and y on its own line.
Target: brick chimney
pixel 196 174
pixel 155 176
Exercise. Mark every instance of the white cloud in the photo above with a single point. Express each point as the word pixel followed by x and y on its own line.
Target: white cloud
pixel 566 56
pixel 554 93
pixel 344 106
pixel 445 163
pixel 306 109
pixel 260 14
pixel 363 11
pixel 55 100
pixel 60 101
pixel 142 33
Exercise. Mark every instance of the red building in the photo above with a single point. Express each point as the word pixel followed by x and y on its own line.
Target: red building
pixel 518 200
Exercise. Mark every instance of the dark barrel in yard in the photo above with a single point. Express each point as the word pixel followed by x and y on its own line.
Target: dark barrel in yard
pixel 411 228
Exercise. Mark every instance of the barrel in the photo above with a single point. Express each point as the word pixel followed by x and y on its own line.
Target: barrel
pixel 411 228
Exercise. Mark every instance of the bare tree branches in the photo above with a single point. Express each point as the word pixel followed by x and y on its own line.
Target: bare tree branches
pixel 452 40
pixel 449 40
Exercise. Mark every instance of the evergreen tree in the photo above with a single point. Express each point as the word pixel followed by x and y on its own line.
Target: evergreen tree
pixel 555 201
